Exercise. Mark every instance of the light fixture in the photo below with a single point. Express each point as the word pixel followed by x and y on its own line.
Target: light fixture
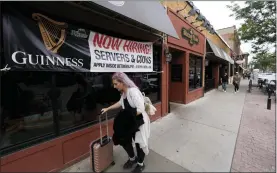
pixel 200 17
pixel 205 23
pixel 204 19
pixel 168 56
pixel 211 30
pixel 192 12
pixel 190 3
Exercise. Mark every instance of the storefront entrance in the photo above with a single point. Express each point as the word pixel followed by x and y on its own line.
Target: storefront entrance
pixel 176 77
pixel 209 76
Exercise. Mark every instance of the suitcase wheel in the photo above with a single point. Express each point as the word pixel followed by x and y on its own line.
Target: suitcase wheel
pixel 113 163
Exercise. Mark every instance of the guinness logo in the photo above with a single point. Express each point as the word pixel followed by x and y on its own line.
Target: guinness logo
pixel 189 35
pixel 52 32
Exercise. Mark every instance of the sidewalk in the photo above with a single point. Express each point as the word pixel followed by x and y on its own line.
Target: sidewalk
pixel 198 137
pixel 154 163
pixel 255 148
pixel 201 136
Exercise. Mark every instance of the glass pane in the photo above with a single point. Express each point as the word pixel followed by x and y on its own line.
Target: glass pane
pixel 26 108
pixel 198 72
pixel 83 96
pixel 191 73
pixel 195 74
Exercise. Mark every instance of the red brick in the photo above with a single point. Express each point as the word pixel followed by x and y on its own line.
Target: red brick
pixel 255 146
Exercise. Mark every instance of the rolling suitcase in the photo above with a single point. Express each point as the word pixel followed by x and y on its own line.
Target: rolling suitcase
pixel 101 150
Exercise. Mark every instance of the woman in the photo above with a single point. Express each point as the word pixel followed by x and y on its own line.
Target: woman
pixel 131 98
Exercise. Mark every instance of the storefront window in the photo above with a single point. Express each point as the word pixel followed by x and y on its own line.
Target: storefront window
pixel 26 109
pixel 29 101
pixel 39 105
pixel 195 72
pixel 96 92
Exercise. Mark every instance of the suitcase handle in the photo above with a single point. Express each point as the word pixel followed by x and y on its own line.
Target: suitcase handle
pixel 107 126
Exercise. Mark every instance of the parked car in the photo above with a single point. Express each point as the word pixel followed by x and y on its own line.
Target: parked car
pixel 264 78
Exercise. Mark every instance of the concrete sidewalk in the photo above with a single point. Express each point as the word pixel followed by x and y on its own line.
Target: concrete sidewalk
pixel 154 163
pixel 201 136
pixel 255 148
pixel 197 137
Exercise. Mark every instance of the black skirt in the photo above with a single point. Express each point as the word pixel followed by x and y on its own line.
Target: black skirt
pixel 126 124
pixel 139 118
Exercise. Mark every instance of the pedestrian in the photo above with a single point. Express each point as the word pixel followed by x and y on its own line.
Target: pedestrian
pixel 132 99
pixel 236 82
pixel 224 81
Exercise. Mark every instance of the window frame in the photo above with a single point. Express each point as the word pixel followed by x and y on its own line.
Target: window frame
pixel 196 58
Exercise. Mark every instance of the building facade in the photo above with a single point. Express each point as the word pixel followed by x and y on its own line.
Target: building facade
pixel 217 51
pixel 186 70
pixel 51 97
pixel 231 37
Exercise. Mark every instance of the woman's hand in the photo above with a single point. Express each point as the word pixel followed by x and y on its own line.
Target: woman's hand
pixel 114 106
pixel 104 110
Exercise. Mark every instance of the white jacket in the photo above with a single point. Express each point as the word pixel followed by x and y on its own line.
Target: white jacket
pixel 136 100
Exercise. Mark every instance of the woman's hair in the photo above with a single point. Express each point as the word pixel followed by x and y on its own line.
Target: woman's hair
pixel 123 78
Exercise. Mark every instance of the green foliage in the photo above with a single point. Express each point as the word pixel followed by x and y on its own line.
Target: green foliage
pixel 264 61
pixel 259 24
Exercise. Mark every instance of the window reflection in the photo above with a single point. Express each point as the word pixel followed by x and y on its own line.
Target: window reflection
pixel 36 104
pixel 26 110
pixel 195 72
pixel 85 97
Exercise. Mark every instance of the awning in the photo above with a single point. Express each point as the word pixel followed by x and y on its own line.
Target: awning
pixel 149 13
pixel 228 57
pixel 220 52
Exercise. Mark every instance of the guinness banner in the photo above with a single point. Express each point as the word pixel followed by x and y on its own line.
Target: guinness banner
pixel 35 41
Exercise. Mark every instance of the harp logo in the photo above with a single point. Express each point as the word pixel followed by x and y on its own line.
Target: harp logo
pixel 53 35
pixel 52 32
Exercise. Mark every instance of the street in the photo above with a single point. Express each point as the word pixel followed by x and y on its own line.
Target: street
pixel 220 132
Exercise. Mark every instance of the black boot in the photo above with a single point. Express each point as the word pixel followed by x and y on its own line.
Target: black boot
pixel 138 168
pixel 129 164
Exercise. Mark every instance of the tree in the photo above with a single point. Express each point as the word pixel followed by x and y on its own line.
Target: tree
pixel 259 25
pixel 264 61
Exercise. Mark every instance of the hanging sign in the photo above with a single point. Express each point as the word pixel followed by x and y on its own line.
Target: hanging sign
pixel 189 35
pixel 34 41
pixel 111 54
